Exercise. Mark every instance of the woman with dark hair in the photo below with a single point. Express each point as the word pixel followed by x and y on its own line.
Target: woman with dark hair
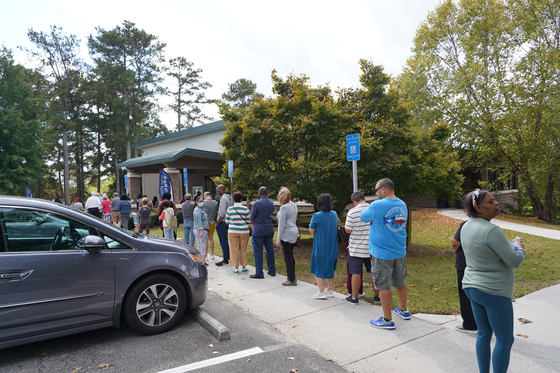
pixel 201 226
pixel 124 211
pixel 166 214
pixel 323 228
pixel 488 279
pixel 155 202
pixel 237 218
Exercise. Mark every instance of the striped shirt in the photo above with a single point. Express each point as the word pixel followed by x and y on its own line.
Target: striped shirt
pixel 359 238
pixel 237 217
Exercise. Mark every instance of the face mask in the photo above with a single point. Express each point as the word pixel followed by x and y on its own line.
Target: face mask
pixel 201 204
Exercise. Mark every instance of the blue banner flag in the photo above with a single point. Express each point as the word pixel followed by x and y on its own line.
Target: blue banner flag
pixel 165 184
pixel 28 193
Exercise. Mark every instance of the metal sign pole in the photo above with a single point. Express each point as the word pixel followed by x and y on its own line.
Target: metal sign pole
pixel 355 175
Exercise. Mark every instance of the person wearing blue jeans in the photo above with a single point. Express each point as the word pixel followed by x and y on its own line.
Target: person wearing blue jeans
pixel 263 231
pixel 489 279
pixel 492 314
pixel 221 226
pixel 188 219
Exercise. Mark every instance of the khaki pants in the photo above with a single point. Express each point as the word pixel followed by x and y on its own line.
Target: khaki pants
pixel 238 248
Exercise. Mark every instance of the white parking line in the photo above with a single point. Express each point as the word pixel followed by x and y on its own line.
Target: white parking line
pixel 214 361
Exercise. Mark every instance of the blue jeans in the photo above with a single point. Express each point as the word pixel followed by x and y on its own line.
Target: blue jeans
pixel 188 228
pixel 492 314
pixel 168 233
pixel 222 230
pixel 258 243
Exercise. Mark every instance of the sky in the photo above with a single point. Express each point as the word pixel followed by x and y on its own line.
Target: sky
pixel 229 40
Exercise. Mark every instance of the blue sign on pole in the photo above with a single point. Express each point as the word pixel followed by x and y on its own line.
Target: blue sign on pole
pixel 28 193
pixel 185 178
pixel 353 147
pixel 125 181
pixel 230 168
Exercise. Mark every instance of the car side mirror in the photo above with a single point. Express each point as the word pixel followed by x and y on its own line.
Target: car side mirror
pixel 93 244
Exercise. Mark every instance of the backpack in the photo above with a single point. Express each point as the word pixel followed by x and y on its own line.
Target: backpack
pixel 172 222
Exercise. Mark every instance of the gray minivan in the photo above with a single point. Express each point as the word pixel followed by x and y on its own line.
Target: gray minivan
pixel 64 271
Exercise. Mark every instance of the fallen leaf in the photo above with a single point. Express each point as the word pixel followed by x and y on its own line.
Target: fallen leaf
pixel 210 345
pixel 291 358
pixel 104 365
pixel 194 345
pixel 215 352
pixel 44 353
pixel 248 359
pixel 524 321
pixel 293 370
pixel 76 369
pixel 522 335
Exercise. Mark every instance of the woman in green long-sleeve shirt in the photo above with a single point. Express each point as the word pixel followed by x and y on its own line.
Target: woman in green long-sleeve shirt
pixel 489 278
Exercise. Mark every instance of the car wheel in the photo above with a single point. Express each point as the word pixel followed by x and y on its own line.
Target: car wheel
pixel 155 305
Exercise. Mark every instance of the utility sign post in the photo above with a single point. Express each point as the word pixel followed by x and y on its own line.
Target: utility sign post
pixel 353 155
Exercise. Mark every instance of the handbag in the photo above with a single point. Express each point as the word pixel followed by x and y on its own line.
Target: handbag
pixel 250 229
pixel 342 235
pixel 298 242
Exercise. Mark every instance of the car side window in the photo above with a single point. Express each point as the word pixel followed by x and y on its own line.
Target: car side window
pixel 35 230
pixel 114 244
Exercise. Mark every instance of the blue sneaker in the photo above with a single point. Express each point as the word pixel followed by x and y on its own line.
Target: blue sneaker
pixel 382 324
pixel 404 315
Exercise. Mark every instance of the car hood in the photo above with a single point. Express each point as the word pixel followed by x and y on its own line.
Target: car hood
pixel 152 243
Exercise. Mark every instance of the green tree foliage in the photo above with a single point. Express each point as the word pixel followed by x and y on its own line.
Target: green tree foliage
pixel 127 61
pixel 188 94
pixel 241 94
pixel 58 53
pixel 489 69
pixel 298 139
pixel 21 129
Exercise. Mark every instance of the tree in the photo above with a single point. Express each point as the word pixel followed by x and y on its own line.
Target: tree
pixel 490 70
pixel 21 130
pixel 189 93
pixel 59 53
pixel 241 94
pixel 298 140
pixel 128 61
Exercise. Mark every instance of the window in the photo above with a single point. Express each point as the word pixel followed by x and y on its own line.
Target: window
pixel 34 230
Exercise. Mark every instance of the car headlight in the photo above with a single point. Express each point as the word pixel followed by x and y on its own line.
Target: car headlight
pixel 196 257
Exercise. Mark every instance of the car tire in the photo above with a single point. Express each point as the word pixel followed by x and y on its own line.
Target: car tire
pixel 155 305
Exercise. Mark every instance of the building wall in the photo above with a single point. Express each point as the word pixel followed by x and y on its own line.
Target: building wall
pixel 206 141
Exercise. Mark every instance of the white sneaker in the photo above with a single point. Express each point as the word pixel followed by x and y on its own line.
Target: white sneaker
pixel 320 295
pixel 211 257
pixel 330 293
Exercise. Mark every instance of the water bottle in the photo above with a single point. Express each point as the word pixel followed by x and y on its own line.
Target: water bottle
pixel 516 243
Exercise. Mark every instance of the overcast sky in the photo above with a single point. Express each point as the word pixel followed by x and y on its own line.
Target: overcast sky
pixel 242 39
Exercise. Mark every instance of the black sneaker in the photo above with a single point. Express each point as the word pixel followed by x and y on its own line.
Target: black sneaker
pixel 352 300
pixel 376 299
pixel 223 262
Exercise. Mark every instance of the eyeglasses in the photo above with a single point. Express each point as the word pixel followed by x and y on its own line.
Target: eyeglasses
pixel 376 189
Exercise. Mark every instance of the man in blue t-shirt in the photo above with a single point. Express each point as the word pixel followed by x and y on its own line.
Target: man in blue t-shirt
pixel 263 231
pixel 387 245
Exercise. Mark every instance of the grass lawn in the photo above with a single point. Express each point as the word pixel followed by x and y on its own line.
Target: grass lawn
pixel 432 278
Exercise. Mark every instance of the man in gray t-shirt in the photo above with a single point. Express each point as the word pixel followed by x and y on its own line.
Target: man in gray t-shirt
pixel 188 219
pixel 115 218
pixel 211 207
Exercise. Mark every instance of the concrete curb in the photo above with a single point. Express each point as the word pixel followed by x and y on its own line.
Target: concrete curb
pixel 209 323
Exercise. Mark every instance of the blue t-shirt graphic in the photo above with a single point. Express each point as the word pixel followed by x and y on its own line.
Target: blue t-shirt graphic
pixel 387 232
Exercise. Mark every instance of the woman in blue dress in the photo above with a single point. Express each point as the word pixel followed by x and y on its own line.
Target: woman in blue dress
pixel 323 228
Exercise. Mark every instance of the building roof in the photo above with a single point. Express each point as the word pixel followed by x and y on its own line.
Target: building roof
pixel 167 157
pixel 189 132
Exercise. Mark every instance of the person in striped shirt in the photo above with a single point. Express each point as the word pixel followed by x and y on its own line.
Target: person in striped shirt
pixel 358 247
pixel 237 218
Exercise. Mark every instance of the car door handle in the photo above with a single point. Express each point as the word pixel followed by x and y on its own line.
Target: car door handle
pixel 16 275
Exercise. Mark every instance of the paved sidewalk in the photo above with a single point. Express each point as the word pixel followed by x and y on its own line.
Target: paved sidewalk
pixel 542 232
pixel 427 343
